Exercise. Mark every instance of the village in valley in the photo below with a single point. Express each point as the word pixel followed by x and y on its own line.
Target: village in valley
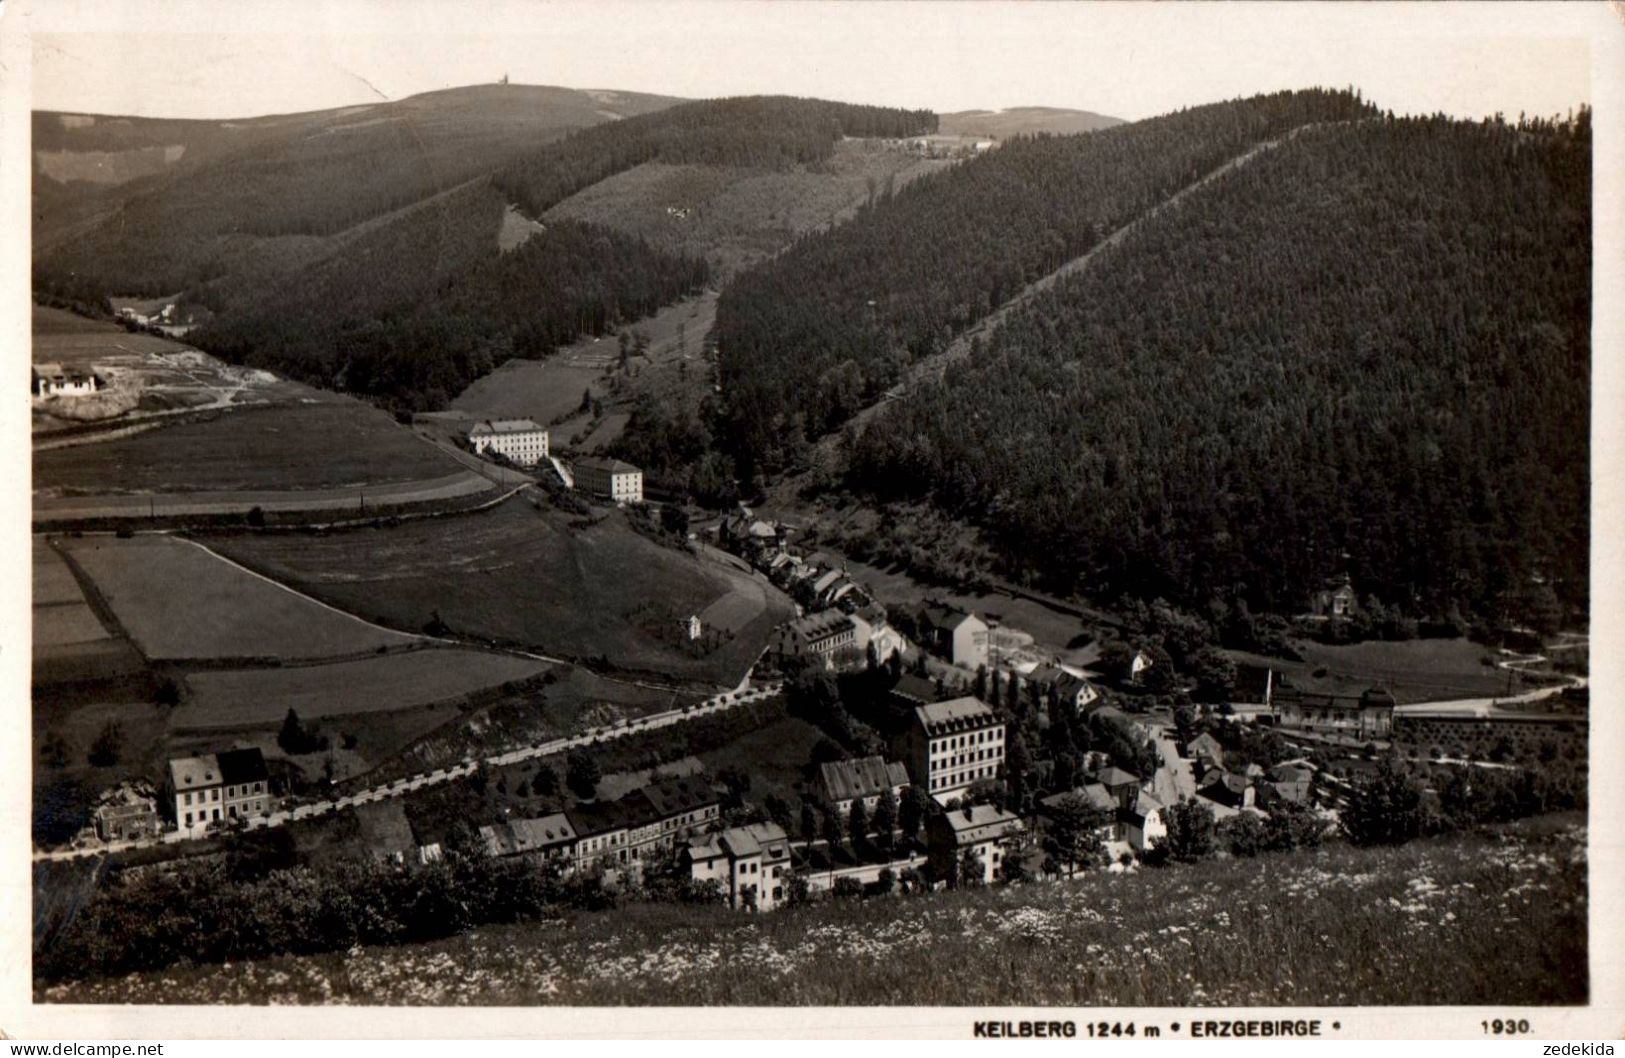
pixel 945 800
pixel 342 647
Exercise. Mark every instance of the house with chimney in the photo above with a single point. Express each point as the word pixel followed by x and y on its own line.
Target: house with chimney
pixel 751 864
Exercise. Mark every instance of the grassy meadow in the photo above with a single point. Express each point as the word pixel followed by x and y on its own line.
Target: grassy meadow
pixel 1417 670
pixel 739 216
pixel 177 600
pixel 330 442
pixel 529 578
pixel 1470 919
pixel 260 697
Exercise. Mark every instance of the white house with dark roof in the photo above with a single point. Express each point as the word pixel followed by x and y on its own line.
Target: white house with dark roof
pixel 217 788
pixel 521 440
pixel 979 836
pixel 750 863
pixel 611 479
pixel 953 745
pixel 868 778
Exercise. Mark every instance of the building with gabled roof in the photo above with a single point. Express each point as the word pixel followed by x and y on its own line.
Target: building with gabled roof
pixel 1143 822
pixel 958 637
pixel 833 637
pixel 549 837
pixel 866 779
pixel 217 787
pixel 521 440
pixel 610 479
pixel 1369 716
pixel 976 836
pixel 750 863
pixel 953 745
pixel 52 380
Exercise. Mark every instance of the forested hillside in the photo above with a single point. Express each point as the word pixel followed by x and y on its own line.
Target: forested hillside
pixel 360 250
pixel 808 339
pixel 273 186
pixel 1365 350
pixel 754 132
pixel 411 312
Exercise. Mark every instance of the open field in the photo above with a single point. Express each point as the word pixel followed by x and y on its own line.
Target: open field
pixel 62 616
pixel 70 642
pixel 177 600
pixel 1418 670
pixel 242 698
pixel 735 217
pixel 155 377
pixel 529 578
pixel 549 391
pixel 329 443
pixel 1480 920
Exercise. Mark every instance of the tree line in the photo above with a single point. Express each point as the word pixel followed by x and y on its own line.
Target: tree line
pixel 1364 352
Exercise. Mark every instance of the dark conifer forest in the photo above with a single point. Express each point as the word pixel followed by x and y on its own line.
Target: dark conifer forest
pixel 1364 351
pixel 824 330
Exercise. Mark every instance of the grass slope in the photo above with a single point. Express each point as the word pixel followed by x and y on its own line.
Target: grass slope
pixel 1472 919
pixel 178 601
pixel 530 578
pixel 734 217
pixel 329 443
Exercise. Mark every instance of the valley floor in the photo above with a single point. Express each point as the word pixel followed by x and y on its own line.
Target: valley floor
pixel 1472 919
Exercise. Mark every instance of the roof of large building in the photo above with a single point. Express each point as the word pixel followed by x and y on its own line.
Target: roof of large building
pixel 671 797
pixel 492 427
pixel 916 689
pixel 233 766
pixel 818 626
pixel 528 835
pixel 242 765
pixel 947 617
pixel 845 780
pixel 1115 776
pixel 1374 698
pixel 979 823
pixel 604 465
pixel 956 714
pixel 740 842
pixel 186 773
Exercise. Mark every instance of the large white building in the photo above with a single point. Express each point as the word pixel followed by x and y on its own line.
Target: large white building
pixel 953 745
pixel 609 478
pixel 521 440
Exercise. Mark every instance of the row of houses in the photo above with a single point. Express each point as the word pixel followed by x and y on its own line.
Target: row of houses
pixel 644 824
pixel 525 442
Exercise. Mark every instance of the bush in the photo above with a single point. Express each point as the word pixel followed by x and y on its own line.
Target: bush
pixel 1385 809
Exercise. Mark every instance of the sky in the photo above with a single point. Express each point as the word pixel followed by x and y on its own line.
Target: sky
pixel 209 60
